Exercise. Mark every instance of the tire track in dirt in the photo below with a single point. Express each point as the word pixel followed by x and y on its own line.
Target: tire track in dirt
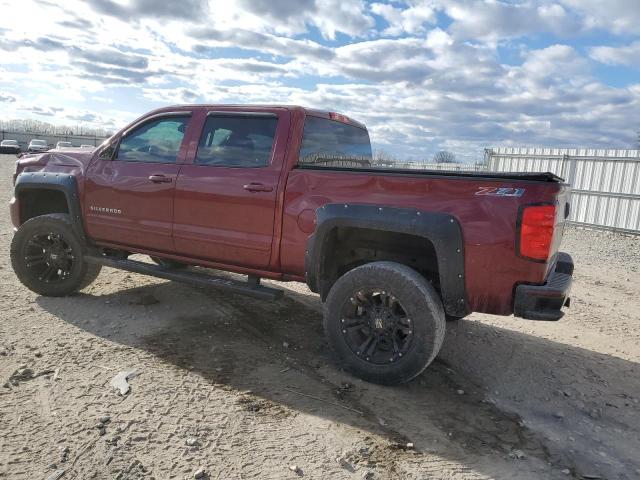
pixel 307 354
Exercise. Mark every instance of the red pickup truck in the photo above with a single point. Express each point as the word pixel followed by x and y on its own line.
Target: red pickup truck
pixel 293 194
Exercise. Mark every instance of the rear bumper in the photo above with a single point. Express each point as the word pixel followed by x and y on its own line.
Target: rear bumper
pixel 545 302
pixel 9 150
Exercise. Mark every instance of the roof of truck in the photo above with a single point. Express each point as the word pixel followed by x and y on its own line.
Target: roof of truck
pixel 332 115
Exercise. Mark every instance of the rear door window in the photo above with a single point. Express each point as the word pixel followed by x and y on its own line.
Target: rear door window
pixel 235 140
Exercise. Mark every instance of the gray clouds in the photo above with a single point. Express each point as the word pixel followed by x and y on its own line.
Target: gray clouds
pixel 245 39
pixel 423 75
pixel 138 9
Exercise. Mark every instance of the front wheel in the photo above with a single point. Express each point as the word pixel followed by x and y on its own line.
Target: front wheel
pixel 47 256
pixel 385 322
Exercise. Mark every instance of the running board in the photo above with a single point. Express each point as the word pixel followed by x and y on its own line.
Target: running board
pixel 251 287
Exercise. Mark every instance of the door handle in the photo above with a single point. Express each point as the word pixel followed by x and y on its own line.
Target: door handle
pixel 257 187
pixel 159 179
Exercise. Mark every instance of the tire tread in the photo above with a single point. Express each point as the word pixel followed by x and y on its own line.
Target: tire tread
pixel 87 274
pixel 401 274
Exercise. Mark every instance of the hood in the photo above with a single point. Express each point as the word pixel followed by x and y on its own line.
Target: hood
pixel 54 160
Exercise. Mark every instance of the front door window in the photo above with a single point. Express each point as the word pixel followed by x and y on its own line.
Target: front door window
pixel 157 141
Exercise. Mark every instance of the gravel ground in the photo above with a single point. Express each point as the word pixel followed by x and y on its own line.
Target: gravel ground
pixel 247 389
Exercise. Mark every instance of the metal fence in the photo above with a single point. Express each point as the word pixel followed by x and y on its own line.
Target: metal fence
pixel 606 183
pixel 24 138
pixel 449 167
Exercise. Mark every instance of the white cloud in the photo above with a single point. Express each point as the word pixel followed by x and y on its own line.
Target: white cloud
pixel 628 55
pixel 284 17
pixel 556 64
pixel 410 20
pixel 419 85
pixel 618 16
pixel 492 20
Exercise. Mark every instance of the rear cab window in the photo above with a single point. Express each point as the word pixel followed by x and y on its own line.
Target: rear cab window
pixel 331 143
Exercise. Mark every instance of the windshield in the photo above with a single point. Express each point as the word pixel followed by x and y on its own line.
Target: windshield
pixel 64 144
pixel 334 144
pixel 38 142
pixel 9 142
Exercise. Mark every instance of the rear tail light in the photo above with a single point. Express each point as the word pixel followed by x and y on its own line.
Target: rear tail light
pixel 536 231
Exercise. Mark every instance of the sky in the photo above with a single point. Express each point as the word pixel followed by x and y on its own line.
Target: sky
pixel 423 75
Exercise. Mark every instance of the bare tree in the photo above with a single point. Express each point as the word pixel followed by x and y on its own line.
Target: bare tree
pixel 443 156
pixel 382 157
pixel 44 128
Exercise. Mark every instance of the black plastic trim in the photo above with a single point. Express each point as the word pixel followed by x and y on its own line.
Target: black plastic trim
pixel 521 176
pixel 545 302
pixel 62 182
pixel 441 229
pixel 251 287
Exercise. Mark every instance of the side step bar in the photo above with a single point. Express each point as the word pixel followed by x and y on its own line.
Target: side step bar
pixel 251 288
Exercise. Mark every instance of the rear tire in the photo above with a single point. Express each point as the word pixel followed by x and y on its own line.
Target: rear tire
pixel 385 322
pixel 48 257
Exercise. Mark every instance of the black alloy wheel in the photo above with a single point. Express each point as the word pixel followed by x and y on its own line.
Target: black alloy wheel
pixel 376 326
pixel 48 257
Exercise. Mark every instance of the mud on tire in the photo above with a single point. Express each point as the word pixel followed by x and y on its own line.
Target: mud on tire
pixel 393 306
pixel 48 257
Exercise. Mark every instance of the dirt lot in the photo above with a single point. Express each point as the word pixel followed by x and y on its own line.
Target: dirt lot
pixel 248 389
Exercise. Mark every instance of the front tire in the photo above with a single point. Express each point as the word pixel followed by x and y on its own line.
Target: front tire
pixel 385 322
pixel 48 257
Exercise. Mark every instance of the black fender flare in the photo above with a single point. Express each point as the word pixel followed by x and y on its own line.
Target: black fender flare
pixel 441 229
pixel 61 182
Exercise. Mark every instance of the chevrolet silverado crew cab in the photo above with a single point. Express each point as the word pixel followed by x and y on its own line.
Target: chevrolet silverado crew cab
pixel 293 194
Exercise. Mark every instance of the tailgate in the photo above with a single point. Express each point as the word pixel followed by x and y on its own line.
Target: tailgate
pixel 563 210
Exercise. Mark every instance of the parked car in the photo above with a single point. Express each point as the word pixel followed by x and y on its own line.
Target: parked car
pixel 9 146
pixel 60 145
pixel 36 145
pixel 392 253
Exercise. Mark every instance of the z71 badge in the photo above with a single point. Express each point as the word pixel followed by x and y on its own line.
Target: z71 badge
pixel 501 191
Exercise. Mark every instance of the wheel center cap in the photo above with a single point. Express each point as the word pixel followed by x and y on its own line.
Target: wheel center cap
pixel 379 323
